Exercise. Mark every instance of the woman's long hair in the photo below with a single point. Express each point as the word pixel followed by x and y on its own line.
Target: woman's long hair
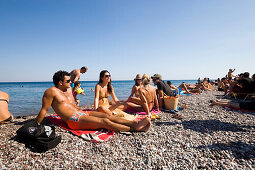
pixel 109 85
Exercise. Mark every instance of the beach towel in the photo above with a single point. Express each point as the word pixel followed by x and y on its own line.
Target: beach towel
pixel 100 135
pixel 181 92
pixel 243 110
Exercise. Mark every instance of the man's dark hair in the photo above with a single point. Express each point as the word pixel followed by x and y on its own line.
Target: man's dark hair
pixel 169 82
pixel 246 74
pixel 84 68
pixel 59 76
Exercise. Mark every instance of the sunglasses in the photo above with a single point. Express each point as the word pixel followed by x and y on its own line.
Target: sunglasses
pixel 68 81
pixel 108 75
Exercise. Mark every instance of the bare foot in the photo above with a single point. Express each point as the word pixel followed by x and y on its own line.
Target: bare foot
pixel 213 103
pixel 146 128
pixel 141 124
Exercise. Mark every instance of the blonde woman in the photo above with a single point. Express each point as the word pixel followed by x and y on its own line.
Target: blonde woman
pixel 147 95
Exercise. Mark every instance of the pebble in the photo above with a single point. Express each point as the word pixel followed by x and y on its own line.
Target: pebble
pixel 206 138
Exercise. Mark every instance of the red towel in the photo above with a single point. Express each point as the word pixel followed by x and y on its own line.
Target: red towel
pixel 91 135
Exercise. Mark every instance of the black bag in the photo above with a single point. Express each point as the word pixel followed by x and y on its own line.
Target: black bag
pixel 41 137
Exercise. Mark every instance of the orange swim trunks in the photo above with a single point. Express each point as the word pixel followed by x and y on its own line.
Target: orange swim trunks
pixel 73 122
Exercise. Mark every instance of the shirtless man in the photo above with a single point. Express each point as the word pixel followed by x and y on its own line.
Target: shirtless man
pixel 230 75
pixel 76 73
pixel 5 115
pixel 78 119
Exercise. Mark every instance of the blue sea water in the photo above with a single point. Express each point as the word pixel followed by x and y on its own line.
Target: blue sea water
pixel 26 97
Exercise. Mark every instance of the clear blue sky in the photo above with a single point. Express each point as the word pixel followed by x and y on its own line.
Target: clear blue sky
pixel 180 39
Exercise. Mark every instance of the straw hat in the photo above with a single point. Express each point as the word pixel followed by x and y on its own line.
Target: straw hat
pixel 138 77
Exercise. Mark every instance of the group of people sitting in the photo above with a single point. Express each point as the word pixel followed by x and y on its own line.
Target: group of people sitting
pixel 143 98
pixel 240 86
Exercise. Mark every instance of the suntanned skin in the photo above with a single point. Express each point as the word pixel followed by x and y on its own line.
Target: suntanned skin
pixel 76 73
pixel 225 103
pixel 4 112
pixel 146 95
pixel 103 88
pixel 160 95
pixel 57 98
pixel 135 99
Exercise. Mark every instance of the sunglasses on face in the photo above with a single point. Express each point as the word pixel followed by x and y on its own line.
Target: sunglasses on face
pixel 107 75
pixel 68 81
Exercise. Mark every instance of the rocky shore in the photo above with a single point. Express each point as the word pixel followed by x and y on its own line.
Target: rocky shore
pixel 207 138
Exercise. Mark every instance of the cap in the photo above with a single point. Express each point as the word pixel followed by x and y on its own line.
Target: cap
pixel 158 76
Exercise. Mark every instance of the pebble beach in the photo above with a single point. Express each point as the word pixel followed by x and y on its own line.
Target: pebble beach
pixel 206 138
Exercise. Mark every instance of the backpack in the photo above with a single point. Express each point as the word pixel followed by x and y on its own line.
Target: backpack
pixel 41 137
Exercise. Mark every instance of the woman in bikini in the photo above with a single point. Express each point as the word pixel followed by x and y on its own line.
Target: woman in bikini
pixel 148 98
pixel 138 84
pixel 103 90
pixel 5 115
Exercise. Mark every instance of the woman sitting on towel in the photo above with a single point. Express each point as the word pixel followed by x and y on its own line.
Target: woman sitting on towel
pixel 148 98
pixel 103 90
pixel 138 84
pixel 5 115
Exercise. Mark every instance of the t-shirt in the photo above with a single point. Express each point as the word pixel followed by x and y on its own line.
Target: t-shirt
pixel 247 84
pixel 161 85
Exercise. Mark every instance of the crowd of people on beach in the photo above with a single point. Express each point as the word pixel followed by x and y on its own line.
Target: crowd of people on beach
pixel 241 88
pixel 143 98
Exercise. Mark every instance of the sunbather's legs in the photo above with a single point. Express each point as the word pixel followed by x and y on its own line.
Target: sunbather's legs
pixel 225 104
pixel 135 100
pixel 97 120
pixel 133 106
pixel 185 87
pixel 105 110
pixel 195 91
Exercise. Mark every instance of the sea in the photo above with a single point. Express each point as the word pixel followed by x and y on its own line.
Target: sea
pixel 26 97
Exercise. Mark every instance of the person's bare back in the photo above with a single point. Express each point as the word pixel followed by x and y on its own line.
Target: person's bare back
pixel 75 74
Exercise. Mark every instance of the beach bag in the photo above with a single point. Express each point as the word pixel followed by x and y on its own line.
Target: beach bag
pixel 41 137
pixel 171 102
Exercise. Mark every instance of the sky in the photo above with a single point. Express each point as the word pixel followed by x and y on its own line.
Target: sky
pixel 179 39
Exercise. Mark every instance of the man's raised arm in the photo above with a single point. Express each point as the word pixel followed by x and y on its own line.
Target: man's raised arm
pixel 46 103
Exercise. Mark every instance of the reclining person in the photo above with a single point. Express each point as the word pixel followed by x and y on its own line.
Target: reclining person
pixel 236 105
pixel 5 115
pixel 58 98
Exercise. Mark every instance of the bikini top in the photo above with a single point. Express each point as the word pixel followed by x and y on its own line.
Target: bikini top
pixel 103 95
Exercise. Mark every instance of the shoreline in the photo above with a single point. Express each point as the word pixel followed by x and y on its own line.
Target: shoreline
pixel 207 137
